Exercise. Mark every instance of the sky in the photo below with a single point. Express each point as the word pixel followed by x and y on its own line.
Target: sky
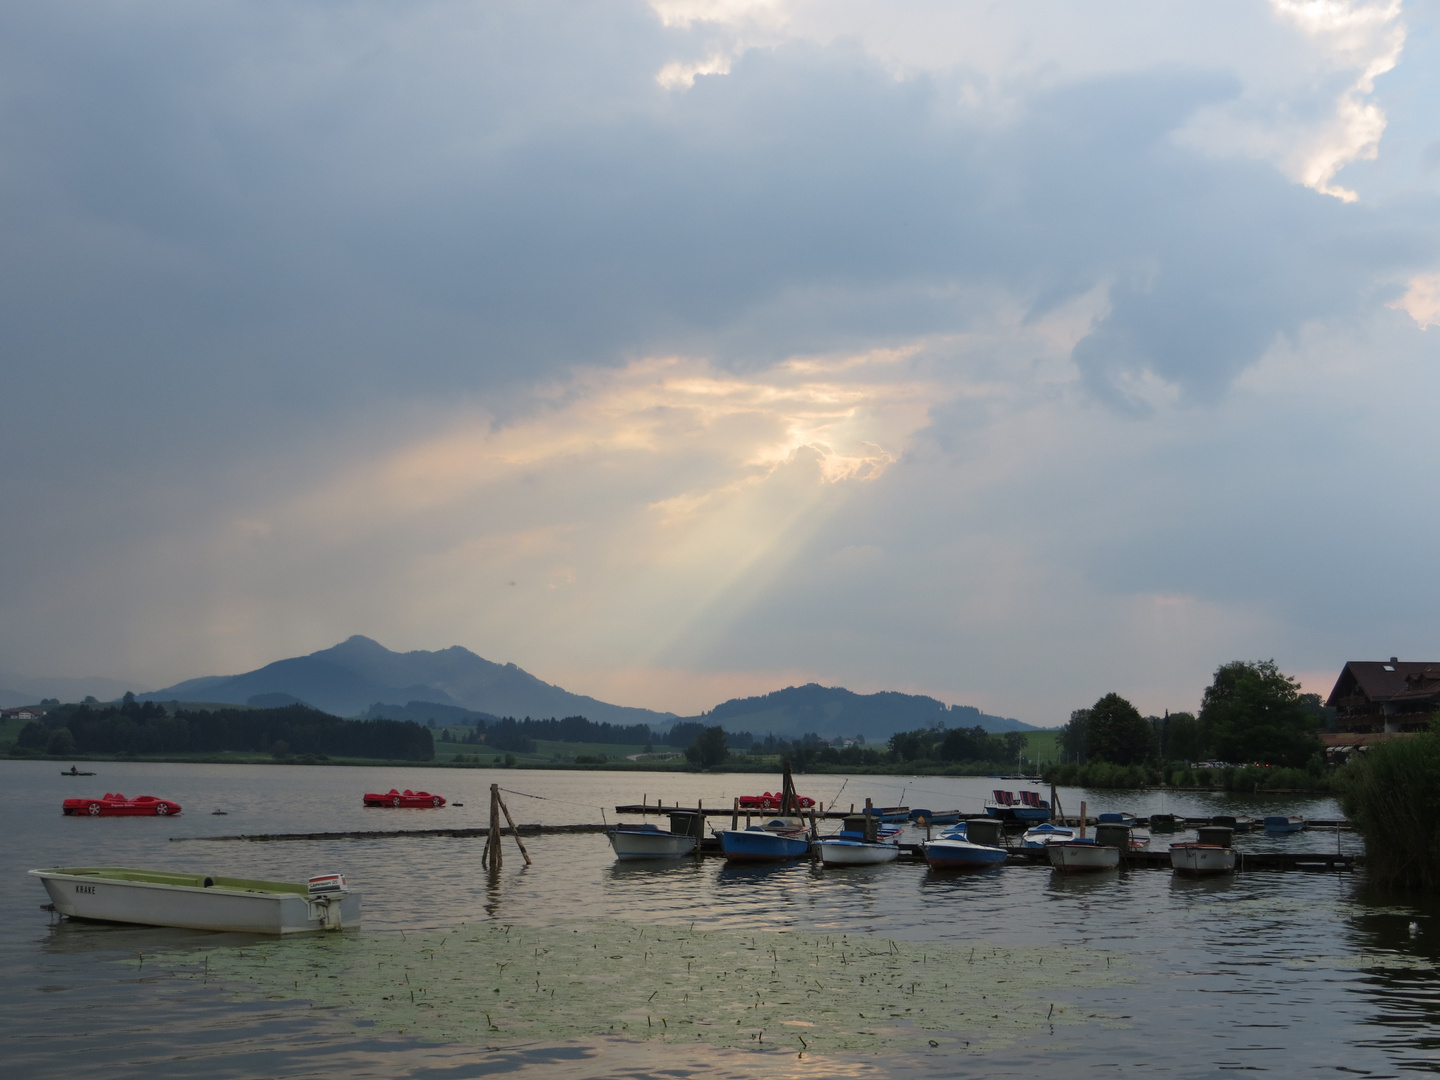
pixel 1009 353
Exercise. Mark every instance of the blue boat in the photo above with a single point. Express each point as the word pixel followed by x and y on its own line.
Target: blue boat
pixel 1117 817
pixel 1280 823
pixel 1028 807
pixel 893 813
pixel 953 852
pixel 760 844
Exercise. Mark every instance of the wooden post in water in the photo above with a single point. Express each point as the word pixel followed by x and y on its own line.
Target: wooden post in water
pixel 789 801
pixel 869 833
pixel 492 857
pixel 513 830
pixel 735 815
pixel 1082 819
pixel 1055 811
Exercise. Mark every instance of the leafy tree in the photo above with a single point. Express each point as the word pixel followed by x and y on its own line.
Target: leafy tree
pixel 1253 712
pixel 1181 738
pixel 1072 736
pixel 61 742
pixel 1116 732
pixel 912 745
pixel 709 748
pixel 34 735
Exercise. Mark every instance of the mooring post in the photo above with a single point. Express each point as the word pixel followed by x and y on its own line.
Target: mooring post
pixel 1082 819
pixel 735 815
pixel 492 842
pixel 513 830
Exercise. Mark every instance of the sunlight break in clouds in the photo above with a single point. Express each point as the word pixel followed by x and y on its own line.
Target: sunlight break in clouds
pixel 1367 37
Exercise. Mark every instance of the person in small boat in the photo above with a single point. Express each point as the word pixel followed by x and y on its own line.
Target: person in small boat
pixel 74 771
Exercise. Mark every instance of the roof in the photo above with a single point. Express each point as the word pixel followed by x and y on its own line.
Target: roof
pixel 1388 680
pixel 1335 739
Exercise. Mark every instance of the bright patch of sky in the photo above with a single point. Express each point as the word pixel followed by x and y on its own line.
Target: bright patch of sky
pixel 1013 354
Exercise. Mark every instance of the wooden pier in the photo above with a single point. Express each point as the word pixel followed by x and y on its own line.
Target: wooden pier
pixel 418 834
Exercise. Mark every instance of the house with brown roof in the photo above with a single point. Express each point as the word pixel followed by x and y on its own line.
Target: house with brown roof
pixel 1380 696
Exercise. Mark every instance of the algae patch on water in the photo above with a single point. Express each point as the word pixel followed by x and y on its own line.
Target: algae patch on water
pixel 497 984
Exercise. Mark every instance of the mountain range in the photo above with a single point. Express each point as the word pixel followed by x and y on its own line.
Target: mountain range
pixel 348 678
pixel 360 677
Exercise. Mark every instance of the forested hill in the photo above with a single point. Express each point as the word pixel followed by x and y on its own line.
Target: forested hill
pixel 147 728
pixel 831 711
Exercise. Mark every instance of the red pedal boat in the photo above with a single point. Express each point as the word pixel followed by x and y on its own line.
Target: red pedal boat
pixel 404 799
pixel 117 805
pixel 770 801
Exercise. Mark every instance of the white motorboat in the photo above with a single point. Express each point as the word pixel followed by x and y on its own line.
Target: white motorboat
pixel 1077 856
pixel 200 901
pixel 649 842
pixel 1201 858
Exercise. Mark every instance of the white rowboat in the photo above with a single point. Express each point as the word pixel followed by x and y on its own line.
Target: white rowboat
pixel 1201 858
pixel 649 842
pixel 201 902
pixel 1076 856
pixel 838 852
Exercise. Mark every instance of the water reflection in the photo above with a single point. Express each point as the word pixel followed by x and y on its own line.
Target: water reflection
pixel 1291 972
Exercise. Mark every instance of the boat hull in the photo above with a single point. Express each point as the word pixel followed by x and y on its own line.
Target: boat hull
pixel 1276 824
pixel 154 898
pixel 641 844
pixel 757 845
pixel 1019 813
pixel 856 853
pixel 1079 856
pixel 1199 859
pixel 956 854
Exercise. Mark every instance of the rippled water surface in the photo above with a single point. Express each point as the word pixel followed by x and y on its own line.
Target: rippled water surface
pixel 1292 973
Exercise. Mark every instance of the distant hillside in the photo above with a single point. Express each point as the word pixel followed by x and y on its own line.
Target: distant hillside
pixel 10 699
pixel 350 677
pixel 831 711
pixel 422 712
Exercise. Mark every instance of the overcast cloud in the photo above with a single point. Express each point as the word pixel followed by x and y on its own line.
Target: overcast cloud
pixel 1012 354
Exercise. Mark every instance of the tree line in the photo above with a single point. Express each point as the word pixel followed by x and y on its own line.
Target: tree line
pixel 148 728
pixel 973 749
pixel 1252 714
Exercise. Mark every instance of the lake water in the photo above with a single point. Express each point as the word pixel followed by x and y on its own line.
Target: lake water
pixel 1293 973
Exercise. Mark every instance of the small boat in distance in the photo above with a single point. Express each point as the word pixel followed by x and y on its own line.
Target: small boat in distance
pixel 1079 856
pixel 1028 807
pixel 115 804
pixel 1199 859
pixel 405 800
pixel 1238 824
pixel 1280 823
pixel 934 817
pixel 773 801
pixel 649 842
pixel 73 771
pixel 201 902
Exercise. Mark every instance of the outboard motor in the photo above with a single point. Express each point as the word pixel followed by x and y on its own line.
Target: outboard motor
pixel 325 892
